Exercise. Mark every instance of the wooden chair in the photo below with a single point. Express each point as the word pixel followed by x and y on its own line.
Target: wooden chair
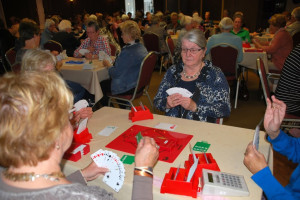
pixel 143 81
pixel 52 45
pixel 289 121
pixel 113 49
pixel 151 42
pixel 10 56
pixel 225 56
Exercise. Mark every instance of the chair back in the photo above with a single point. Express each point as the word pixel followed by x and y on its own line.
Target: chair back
pixel 263 78
pixel 145 74
pixel 10 56
pixel 296 39
pixel 151 42
pixel 225 56
pixel 113 49
pixel 171 48
pixel 53 46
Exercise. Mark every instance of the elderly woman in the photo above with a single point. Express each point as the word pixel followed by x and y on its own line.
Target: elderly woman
pixel 66 37
pixel 281 44
pixel 125 71
pixel 237 27
pixel 208 85
pixel 226 25
pixel 48 32
pixel 31 152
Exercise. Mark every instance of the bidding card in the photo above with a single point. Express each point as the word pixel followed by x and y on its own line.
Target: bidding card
pixel 127 159
pixel 107 130
pixel 256 137
pixel 201 146
pixel 166 126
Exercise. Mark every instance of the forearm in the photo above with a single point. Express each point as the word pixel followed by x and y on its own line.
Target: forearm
pixel 76 177
pixel 272 188
pixel 142 188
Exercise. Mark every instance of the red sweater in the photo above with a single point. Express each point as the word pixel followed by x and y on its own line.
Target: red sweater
pixel 280 47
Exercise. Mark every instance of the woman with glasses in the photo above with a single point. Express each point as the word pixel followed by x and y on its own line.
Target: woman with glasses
pixel 207 84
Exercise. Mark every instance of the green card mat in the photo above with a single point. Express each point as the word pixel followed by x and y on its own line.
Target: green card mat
pixel 201 146
pixel 127 159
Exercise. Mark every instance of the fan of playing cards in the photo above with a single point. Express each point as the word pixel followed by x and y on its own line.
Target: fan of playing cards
pixel 184 92
pixel 107 159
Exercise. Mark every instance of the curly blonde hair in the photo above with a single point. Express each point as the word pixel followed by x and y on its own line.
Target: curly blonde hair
pixel 33 112
pixel 37 60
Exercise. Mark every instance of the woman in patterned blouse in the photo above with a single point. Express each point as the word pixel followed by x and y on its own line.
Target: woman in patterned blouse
pixel 210 92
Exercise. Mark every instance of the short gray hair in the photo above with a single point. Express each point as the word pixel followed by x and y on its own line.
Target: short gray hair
pixel 296 13
pixel 64 24
pixel 226 23
pixel 195 36
pixel 48 23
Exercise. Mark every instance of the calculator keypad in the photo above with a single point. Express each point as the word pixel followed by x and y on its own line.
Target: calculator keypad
pixel 230 180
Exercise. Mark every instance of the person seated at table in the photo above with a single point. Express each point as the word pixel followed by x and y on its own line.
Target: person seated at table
pixel 29 39
pixel 39 104
pixel 146 23
pixel 66 37
pixel 294 26
pixel 187 22
pixel 207 22
pixel 282 143
pixel 93 43
pixel 237 28
pixel 48 32
pixel 174 26
pixel 226 25
pixel 209 88
pixel 125 71
pixel 196 21
pixel 280 46
pixel 160 32
pixel 288 86
pixel 39 60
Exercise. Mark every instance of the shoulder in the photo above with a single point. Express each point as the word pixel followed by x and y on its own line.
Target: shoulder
pixel 210 69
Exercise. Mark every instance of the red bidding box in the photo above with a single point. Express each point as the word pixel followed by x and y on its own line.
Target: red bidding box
pixel 140 114
pixel 180 186
pixel 76 151
pixel 84 137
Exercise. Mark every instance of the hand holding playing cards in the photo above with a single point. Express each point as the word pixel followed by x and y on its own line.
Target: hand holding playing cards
pixel 274 115
pixel 254 160
pixel 92 171
pixel 146 153
pixel 173 100
pixel 83 113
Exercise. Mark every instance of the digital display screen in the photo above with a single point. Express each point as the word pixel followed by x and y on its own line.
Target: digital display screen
pixel 210 177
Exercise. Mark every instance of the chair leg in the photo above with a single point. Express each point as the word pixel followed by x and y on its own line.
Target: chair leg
pixel 109 102
pixel 147 94
pixel 237 93
pixel 161 64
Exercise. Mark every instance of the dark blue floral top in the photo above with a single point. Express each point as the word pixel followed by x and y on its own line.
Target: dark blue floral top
pixel 211 94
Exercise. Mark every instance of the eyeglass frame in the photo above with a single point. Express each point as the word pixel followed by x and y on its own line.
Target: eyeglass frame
pixel 192 50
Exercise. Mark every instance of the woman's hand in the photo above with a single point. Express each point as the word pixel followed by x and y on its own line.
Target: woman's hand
pixel 254 160
pixel 82 114
pixel 106 63
pixel 92 171
pixel 146 153
pixel 188 104
pixel 274 115
pixel 173 100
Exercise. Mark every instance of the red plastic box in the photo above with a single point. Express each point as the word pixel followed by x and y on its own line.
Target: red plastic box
pixel 140 114
pixel 76 151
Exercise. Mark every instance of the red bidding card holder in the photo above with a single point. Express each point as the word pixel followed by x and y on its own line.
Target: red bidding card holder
pixel 140 114
pixel 76 151
pixel 84 137
pixel 180 186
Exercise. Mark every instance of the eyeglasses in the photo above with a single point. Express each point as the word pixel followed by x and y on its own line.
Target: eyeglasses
pixel 193 51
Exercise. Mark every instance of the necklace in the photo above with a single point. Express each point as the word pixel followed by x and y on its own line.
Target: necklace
pixel 54 176
pixel 190 77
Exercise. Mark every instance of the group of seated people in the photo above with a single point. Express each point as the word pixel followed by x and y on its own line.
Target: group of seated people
pixel 39 95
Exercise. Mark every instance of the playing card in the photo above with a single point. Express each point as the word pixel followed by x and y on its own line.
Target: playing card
pixel 103 56
pixel 107 130
pixel 256 137
pixel 83 51
pixel 184 92
pixel 166 126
